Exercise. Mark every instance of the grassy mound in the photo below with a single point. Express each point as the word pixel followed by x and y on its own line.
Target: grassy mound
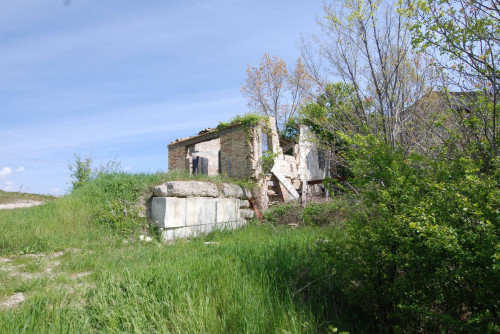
pixel 80 267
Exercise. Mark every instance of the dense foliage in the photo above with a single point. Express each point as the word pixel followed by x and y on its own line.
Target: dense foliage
pixel 425 257
pixel 421 251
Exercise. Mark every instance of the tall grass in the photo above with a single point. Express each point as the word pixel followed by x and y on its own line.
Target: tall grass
pixel 259 279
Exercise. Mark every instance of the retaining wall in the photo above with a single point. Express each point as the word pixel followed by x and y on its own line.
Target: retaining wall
pixel 182 209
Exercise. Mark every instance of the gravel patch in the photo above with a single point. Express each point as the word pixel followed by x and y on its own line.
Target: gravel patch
pixel 20 204
pixel 13 300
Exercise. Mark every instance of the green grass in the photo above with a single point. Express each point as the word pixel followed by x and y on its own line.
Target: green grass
pixel 258 279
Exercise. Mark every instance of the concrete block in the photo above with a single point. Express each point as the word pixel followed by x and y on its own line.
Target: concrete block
pixel 186 189
pixel 244 203
pixel 228 210
pixel 232 190
pixel 177 233
pixel 168 212
pixel 200 211
pixel 246 214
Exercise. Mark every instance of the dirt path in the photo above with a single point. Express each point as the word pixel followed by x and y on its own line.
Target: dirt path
pixel 19 204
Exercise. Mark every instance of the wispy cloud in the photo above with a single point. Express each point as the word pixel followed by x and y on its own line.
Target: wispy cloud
pixel 119 125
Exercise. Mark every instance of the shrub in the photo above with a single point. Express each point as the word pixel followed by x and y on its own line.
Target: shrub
pixel 335 212
pixel 284 214
pixel 83 170
pixel 120 215
pixel 424 259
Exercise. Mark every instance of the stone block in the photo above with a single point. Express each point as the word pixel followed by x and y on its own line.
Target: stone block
pixel 188 231
pixel 200 211
pixel 232 190
pixel 228 210
pixel 186 189
pixel 246 213
pixel 247 193
pixel 168 212
pixel 244 203
pixel 237 224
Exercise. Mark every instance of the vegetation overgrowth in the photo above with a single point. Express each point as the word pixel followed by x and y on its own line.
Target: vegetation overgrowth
pixel 409 243
pixel 246 120
pixel 418 251
pixel 245 281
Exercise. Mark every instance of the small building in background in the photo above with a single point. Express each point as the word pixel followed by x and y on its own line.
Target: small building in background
pixel 253 151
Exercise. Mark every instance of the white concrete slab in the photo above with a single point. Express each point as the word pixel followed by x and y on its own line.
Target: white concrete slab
pixel 168 212
pixel 228 210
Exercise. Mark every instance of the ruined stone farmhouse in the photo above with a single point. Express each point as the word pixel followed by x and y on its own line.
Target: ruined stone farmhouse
pixel 282 168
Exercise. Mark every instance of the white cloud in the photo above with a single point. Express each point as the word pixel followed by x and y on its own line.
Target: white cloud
pixel 5 171
pixel 20 169
pixel 55 191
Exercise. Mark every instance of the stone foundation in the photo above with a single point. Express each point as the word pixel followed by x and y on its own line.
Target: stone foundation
pixel 183 209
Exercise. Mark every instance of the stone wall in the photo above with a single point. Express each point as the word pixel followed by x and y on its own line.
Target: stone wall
pixel 183 209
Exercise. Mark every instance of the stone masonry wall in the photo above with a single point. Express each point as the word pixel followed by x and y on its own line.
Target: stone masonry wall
pixel 182 209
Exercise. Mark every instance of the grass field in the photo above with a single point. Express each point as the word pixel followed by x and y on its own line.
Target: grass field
pixel 63 272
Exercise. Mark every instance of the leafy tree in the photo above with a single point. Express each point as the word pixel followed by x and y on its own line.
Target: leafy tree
pixel 464 39
pixel 83 170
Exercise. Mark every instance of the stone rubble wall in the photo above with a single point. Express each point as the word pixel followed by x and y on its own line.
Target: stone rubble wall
pixel 182 209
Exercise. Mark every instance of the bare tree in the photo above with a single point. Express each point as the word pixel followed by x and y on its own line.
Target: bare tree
pixel 274 91
pixel 366 45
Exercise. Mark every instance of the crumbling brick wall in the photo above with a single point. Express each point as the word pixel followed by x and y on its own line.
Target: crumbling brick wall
pixel 177 157
pixel 236 152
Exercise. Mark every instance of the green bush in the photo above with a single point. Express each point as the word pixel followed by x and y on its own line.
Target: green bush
pixel 425 258
pixel 415 249
pixel 120 215
pixel 335 212
pixel 284 214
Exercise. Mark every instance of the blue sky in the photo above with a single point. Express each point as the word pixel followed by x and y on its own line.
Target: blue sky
pixel 121 79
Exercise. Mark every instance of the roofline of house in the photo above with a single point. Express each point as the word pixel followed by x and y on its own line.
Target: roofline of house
pixel 215 133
